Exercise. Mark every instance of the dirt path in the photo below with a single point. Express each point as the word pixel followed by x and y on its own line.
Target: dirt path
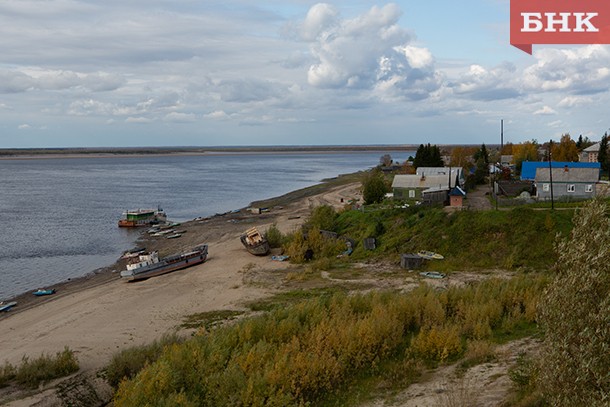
pixel 478 199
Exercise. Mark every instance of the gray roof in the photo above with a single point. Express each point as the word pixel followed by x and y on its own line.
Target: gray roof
pixel 439 171
pixel 590 175
pixel 592 149
pixel 417 181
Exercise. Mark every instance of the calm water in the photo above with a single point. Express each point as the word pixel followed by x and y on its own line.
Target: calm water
pixel 59 215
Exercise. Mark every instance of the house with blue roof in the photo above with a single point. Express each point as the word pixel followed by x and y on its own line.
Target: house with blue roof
pixel 528 168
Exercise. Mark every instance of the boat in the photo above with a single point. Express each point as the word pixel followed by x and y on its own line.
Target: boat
pixel 150 265
pixel 142 217
pixel 432 274
pixel 254 242
pixel 40 292
pixel 7 306
pixel 174 236
pixel 430 255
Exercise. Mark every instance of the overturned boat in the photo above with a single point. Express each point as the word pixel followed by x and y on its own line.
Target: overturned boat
pixel 254 242
pixel 149 265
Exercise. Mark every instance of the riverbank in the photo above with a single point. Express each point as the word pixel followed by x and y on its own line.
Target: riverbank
pixel 99 314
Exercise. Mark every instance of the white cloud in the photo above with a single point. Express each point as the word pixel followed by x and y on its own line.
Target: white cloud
pixel 574 101
pixel 582 70
pixel 320 18
pixel 177 117
pixel 24 127
pixel 370 51
pixel 217 114
pixel 139 120
pixel 545 110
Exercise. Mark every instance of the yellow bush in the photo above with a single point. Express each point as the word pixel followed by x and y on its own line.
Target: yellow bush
pixel 437 343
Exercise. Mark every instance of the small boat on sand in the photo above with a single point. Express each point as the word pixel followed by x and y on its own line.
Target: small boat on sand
pixel 40 292
pixel 430 255
pixel 254 242
pixel 7 306
pixel 432 274
pixel 150 265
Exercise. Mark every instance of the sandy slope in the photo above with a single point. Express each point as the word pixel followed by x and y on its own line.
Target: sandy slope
pixel 98 321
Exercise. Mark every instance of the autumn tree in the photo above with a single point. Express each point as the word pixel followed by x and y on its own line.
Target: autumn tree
pixel 527 151
pixel 462 157
pixel 565 150
pixel 507 149
pixel 574 314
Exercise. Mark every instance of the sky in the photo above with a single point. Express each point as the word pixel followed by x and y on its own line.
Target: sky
pixel 84 73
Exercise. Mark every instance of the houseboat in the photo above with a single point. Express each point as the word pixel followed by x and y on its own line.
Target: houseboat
pixel 142 217
pixel 149 265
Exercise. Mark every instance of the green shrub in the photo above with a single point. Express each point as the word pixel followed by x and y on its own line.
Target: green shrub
pixel 7 374
pixel 33 372
pixel 127 363
pixel 274 236
pixel 323 218
pixel 305 352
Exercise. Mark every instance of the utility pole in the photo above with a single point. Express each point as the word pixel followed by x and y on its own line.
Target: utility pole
pixel 551 173
pixel 501 138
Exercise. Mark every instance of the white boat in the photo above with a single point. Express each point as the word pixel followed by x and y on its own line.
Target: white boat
pixel 149 265
pixel 7 306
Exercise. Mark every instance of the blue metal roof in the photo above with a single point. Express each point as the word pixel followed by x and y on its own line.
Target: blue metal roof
pixel 528 168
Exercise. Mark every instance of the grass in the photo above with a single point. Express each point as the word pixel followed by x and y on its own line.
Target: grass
pixel 31 373
pixel 316 346
pixel 209 319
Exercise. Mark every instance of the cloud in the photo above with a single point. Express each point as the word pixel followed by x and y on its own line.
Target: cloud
pixel 177 117
pixel 138 120
pixel 370 51
pixel 480 83
pixel 580 71
pixel 574 101
pixel 249 90
pixel 545 110
pixel 217 115
pixel 27 79
pixel 24 127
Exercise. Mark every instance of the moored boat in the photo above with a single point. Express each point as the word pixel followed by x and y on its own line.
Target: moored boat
pixel 7 306
pixel 254 242
pixel 142 217
pixel 150 265
pixel 40 292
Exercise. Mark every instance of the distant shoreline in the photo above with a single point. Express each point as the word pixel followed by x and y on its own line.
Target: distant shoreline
pixel 48 153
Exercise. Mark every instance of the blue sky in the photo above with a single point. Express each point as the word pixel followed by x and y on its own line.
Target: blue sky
pixel 204 73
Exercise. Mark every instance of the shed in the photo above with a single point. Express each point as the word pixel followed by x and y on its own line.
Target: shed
pixel 456 197
pixel 369 243
pixel 411 261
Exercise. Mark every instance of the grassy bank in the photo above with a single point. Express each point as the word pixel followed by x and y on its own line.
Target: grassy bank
pixel 312 352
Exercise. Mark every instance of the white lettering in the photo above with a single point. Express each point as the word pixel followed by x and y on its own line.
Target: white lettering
pixel 580 22
pixel 551 21
pixel 529 19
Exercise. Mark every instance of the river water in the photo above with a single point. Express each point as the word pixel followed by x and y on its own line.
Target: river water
pixel 59 215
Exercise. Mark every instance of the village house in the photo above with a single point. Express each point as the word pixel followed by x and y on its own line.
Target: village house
pixel 567 183
pixel 528 168
pixel 590 153
pixel 433 189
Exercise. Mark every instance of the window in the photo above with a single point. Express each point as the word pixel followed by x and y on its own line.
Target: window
pixel 546 187
pixel 589 188
pixel 571 188
pixel 411 193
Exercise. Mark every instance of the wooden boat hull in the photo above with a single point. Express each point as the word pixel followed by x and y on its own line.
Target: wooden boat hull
pixel 258 249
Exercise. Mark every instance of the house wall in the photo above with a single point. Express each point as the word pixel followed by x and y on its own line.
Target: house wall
pixel 560 190
pixel 456 201
pixel 403 194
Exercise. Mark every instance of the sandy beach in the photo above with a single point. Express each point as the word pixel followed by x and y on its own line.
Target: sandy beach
pixel 99 315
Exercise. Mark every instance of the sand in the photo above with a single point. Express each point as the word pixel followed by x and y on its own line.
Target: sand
pixel 100 315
